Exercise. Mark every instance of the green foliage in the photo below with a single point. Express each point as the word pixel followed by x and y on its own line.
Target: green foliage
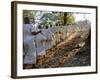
pixel 70 19
pixel 51 18
pixel 47 19
pixel 29 13
pixel 48 16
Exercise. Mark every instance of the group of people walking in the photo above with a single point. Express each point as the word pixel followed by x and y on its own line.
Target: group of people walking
pixel 36 40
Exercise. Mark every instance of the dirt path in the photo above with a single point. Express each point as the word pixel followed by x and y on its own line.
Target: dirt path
pixel 63 54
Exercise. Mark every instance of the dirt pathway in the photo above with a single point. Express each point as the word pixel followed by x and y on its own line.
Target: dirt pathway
pixel 60 55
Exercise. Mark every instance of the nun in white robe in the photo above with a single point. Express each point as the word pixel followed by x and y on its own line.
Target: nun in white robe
pixel 48 34
pixel 40 42
pixel 29 45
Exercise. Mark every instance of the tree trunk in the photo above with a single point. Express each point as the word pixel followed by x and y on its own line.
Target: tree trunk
pixel 65 20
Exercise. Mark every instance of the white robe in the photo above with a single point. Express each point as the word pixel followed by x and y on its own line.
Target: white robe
pixel 48 34
pixel 29 49
pixel 40 42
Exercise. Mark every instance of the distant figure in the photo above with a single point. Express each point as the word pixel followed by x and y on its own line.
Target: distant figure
pixel 29 48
